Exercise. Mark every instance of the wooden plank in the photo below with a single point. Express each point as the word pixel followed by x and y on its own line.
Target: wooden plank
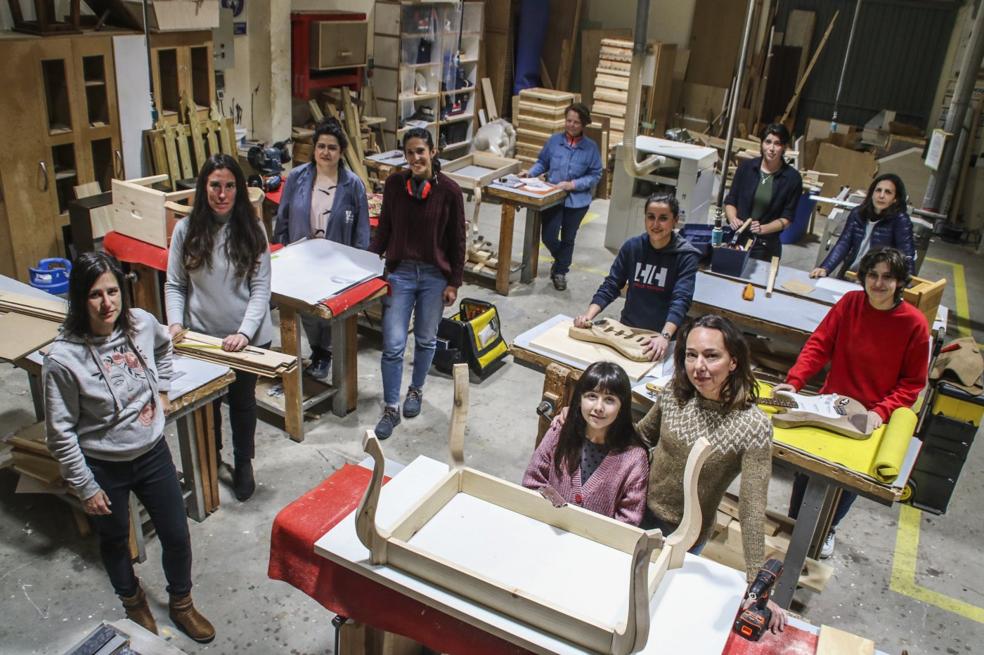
pixel 609 109
pixel 607 95
pixel 489 99
pixel 715 37
pixel 22 335
pixel 838 642
pixel 195 129
pixel 610 82
pixel 658 109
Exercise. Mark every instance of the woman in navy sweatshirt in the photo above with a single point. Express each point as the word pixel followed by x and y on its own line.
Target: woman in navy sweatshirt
pixel 660 268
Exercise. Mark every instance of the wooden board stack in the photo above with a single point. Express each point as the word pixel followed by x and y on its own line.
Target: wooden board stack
pixel 612 86
pixel 538 114
pixel 50 310
pixel 265 363
pixel 30 456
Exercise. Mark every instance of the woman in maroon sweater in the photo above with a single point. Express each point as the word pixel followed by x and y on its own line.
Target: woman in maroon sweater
pixel 421 234
pixel 596 460
pixel 878 349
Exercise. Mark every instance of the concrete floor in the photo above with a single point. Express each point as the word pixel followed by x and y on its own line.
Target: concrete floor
pixel 53 588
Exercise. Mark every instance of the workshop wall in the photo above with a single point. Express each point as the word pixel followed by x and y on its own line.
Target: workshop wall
pixel 895 63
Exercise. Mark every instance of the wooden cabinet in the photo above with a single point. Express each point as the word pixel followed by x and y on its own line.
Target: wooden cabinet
pixel 181 64
pixel 61 124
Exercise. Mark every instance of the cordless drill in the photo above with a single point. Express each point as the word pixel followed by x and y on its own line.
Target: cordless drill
pixel 754 621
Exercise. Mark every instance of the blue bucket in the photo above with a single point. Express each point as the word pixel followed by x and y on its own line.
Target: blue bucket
pixel 51 275
pixel 801 220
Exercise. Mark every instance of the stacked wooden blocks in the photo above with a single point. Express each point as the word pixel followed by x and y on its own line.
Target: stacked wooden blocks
pixel 612 86
pixel 538 114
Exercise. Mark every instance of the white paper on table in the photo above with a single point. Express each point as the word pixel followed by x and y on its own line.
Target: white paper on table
pixel 188 374
pixel 837 286
pixel 315 269
pixel 535 183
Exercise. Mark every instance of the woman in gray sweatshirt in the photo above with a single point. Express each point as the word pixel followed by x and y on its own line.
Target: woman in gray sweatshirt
pixel 106 380
pixel 218 283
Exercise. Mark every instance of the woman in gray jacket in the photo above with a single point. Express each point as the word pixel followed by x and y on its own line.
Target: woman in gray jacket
pixel 218 283
pixel 323 200
pixel 106 380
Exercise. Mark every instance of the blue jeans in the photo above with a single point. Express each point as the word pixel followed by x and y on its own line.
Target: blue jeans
pixel 559 226
pixel 417 288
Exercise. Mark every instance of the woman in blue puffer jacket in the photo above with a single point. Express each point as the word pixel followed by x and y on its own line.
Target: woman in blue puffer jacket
pixel 880 221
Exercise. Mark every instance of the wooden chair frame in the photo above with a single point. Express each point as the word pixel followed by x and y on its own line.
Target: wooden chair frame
pixel 392 547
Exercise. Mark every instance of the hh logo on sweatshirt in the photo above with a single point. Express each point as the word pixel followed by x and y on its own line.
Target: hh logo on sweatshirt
pixel 650 275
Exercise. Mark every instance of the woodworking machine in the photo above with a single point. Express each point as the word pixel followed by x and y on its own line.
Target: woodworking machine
pixel 684 168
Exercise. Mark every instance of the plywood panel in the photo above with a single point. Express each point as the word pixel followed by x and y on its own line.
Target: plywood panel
pixel 556 340
pixel 837 642
pixel 714 41
pixel 854 169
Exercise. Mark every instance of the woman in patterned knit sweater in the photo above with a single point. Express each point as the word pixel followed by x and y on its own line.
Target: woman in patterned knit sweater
pixel 712 395
pixel 596 460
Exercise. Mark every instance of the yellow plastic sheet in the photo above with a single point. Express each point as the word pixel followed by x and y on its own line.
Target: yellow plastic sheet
pixel 879 456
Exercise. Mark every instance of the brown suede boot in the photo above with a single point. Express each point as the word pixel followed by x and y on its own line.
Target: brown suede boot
pixel 138 611
pixel 189 620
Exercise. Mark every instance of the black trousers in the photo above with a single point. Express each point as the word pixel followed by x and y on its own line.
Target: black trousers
pixel 242 414
pixel 153 479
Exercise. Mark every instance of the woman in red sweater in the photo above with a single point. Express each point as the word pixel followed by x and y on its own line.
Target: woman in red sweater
pixel 596 459
pixel 878 350
pixel 421 234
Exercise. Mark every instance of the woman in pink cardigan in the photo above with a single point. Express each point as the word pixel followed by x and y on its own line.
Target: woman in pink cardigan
pixel 596 460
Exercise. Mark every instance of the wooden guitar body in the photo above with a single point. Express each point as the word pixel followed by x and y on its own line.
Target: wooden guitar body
pixel 830 411
pixel 628 342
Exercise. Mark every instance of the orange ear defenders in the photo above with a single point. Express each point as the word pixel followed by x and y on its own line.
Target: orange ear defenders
pixel 418 189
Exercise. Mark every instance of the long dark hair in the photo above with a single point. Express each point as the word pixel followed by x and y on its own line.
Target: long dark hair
pixel 740 389
pixel 246 241
pixel 423 133
pixel 604 377
pixel 85 271
pixel 331 127
pixel 867 208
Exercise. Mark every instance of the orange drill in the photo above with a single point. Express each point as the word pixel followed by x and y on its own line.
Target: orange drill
pixel 754 621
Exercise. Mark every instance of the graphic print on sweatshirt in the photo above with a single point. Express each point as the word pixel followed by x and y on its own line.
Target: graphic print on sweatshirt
pixel 129 379
pixel 650 276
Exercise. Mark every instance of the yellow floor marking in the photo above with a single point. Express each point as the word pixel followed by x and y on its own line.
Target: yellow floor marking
pixel 904 570
pixel 907 537
pixel 962 309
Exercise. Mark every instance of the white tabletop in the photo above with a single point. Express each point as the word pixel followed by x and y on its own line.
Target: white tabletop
pixel 692 611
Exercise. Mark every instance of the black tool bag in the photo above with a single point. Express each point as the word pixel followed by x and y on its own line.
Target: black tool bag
pixel 474 336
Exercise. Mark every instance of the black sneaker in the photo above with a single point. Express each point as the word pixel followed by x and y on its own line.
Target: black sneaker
pixel 411 404
pixel 389 420
pixel 559 281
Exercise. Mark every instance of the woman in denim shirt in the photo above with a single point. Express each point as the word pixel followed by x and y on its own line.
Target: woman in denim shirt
pixel 570 161
pixel 323 200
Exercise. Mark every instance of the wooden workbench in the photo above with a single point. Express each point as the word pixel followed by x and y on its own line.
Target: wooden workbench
pixel 825 478
pixel 342 310
pixel 355 596
pixel 513 200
